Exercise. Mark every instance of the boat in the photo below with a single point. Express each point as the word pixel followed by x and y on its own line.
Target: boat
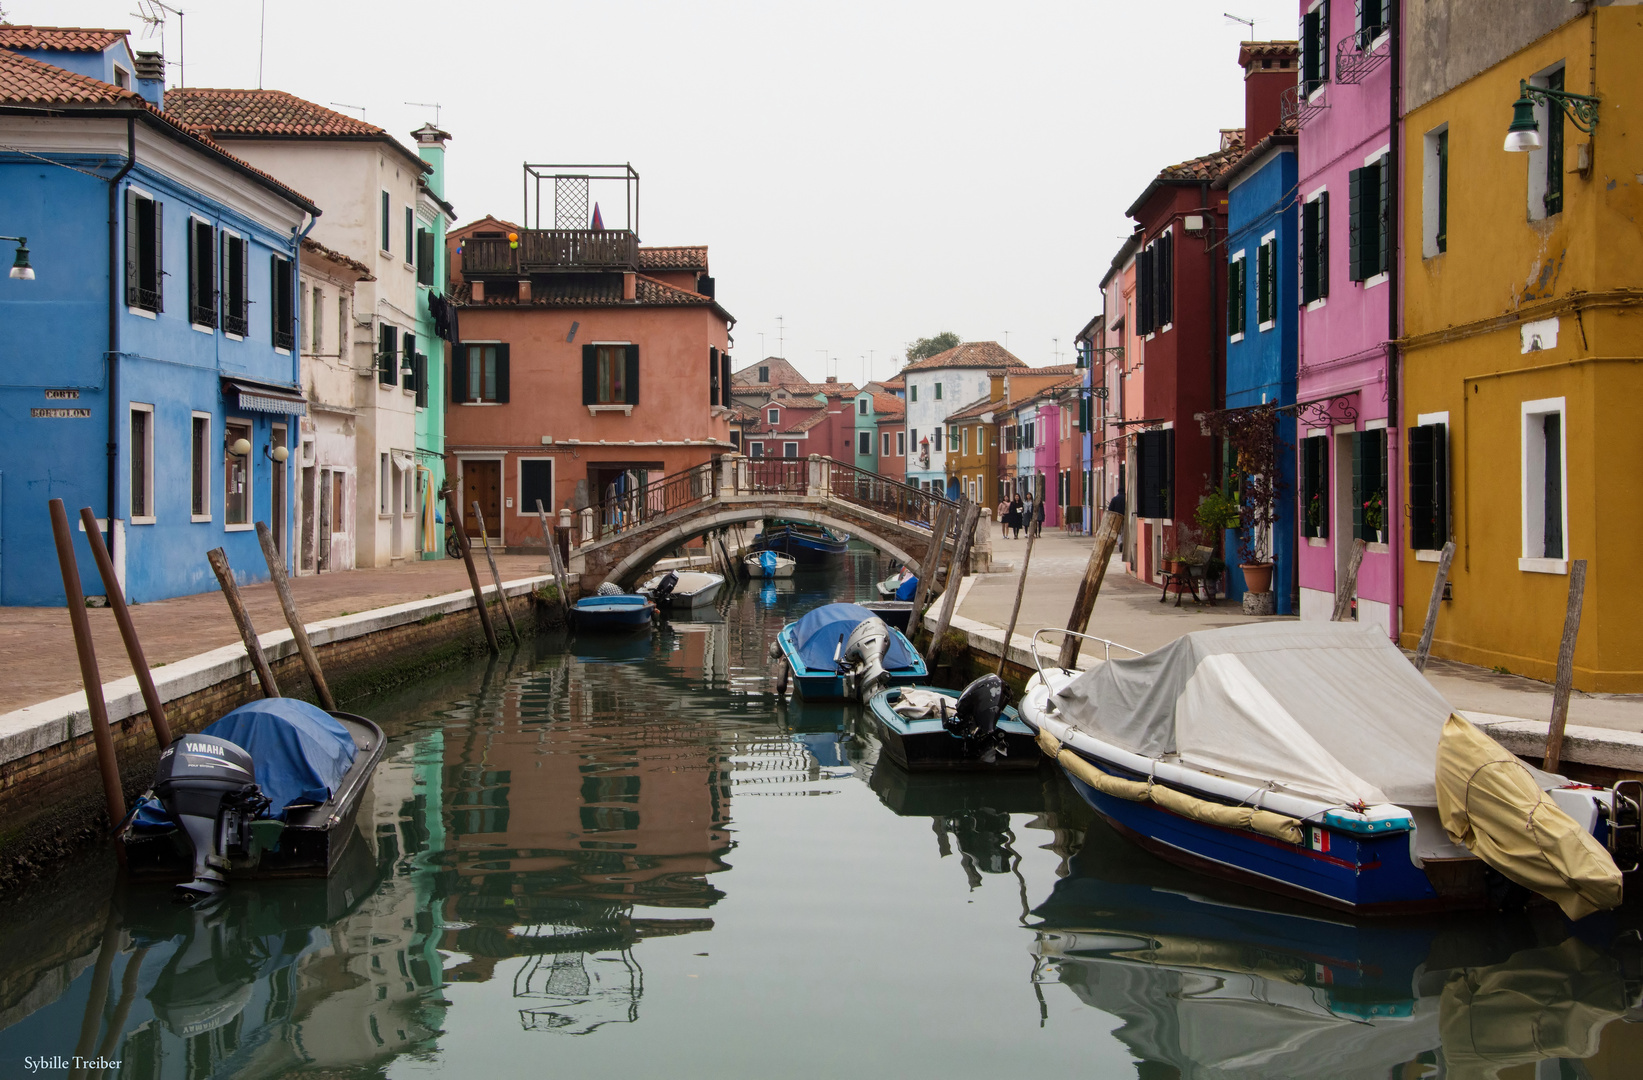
pixel 270 790
pixel 802 541
pixel 896 613
pixel 683 588
pixel 1315 762
pixel 623 611
pixel 929 727
pixel 901 585
pixel 843 652
pixel 769 564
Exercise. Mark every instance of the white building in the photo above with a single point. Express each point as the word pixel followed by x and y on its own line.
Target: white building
pixel 939 385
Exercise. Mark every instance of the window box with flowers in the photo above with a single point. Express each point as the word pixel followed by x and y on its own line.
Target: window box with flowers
pixel 1374 516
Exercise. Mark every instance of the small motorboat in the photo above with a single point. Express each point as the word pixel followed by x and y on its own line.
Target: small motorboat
pixel 683 588
pixel 896 613
pixel 614 611
pixel 270 790
pixel 843 652
pixel 1314 761
pixel 901 585
pixel 769 564
pixel 803 541
pixel 928 727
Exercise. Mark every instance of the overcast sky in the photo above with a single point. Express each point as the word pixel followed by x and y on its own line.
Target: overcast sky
pixel 869 172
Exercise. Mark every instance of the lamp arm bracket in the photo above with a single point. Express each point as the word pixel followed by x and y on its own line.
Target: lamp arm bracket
pixel 1580 108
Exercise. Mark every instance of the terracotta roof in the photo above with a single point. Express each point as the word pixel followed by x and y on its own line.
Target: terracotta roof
pixel 975 409
pixel 1053 369
pixel 1044 394
pixel 971 354
pixel 260 112
pixel 1286 134
pixel 832 389
pixel 897 383
pixel 889 404
pixel 1209 166
pixel 807 404
pixel 64 38
pixel 1268 50
pixel 462 230
pixel 603 290
pixel 690 257
pixel 317 248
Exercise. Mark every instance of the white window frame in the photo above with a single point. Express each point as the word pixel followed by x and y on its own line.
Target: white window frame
pixel 867 438
pixel 1383 151
pixel 407 490
pixel 224 234
pixel 148 463
pixel 1423 419
pixel 1329 48
pixel 216 271
pixel 755 445
pixel 316 319
pixel 772 417
pixel 1270 239
pixel 144 313
pixel 204 462
pixel 250 476
pixel 1300 252
pixel 901 443
pixel 884 444
pixel 1238 257
pixel 385 484
pixel 912 392
pixel 1533 475
pixel 1429 191
pixel 794 456
pixel 937 392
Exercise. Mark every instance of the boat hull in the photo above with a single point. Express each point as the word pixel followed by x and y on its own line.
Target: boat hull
pixel 606 613
pixel 784 567
pixel 896 613
pixel 681 598
pixel 803 546
pixel 829 685
pixel 925 745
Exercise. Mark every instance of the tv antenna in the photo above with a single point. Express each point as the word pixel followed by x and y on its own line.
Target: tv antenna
pixel 341 105
pixel 153 13
pixel 1240 19
pixel 781 347
pixel 434 105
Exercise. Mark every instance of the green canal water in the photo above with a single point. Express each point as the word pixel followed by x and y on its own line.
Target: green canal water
pixel 622 856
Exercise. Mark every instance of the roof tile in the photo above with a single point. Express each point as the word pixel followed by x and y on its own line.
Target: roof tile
pixel 261 112
pixel 30 82
pixel 971 354
pixel 1209 166
pixel 686 257
pixel 64 38
pixel 604 290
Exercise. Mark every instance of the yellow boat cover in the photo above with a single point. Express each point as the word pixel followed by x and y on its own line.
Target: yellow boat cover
pixel 1489 801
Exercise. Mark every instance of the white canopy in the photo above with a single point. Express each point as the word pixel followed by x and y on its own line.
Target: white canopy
pixel 1327 710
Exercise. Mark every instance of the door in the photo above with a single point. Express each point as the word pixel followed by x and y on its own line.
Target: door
pixel 329 489
pixel 481 483
pixel 276 515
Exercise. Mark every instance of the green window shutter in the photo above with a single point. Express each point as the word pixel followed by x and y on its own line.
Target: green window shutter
pixel 713 374
pixel 1354 224
pixel 1421 496
pixel 1360 481
pixel 1554 152
pixel 502 374
pixel 1309 258
pixel 1443 191
pixel 632 375
pixel 459 373
pixel 424 257
pixel 1383 234
pixel 590 375
pixel 421 381
pixel 724 380
pixel 387 227
pixel 1322 251
pixel 133 247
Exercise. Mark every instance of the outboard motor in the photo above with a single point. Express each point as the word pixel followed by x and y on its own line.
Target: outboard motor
pixel 208 786
pixel 664 588
pixel 975 717
pixel 864 653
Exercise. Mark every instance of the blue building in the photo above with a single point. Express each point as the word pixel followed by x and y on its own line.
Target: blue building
pixel 149 369
pixel 1262 297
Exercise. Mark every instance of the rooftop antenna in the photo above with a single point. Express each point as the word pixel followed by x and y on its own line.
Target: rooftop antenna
pixel 262 36
pixel 1006 341
pixel 153 13
pixel 341 105
pixel 762 353
pixel 434 105
pixel 827 363
pixel 1240 19
pixel 781 347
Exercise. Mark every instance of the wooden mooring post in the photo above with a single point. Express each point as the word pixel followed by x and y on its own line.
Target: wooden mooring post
pixel 969 512
pixel 501 595
pixel 282 586
pixel 932 562
pixel 554 561
pixel 1348 587
pixel 128 632
pixel 473 574
pixel 1423 651
pixel 1015 609
pixel 1565 667
pixel 1095 572
pixel 248 633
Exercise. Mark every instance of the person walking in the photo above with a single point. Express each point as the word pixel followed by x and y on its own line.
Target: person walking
pixel 1012 517
pixel 1027 513
pixel 1003 512
pixel 1038 517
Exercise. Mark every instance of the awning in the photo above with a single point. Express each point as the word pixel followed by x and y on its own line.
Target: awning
pixel 403 459
pixel 260 397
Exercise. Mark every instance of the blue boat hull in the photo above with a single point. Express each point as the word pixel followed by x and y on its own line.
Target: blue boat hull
pixel 828 685
pixel 613 613
pixel 917 745
pixel 802 546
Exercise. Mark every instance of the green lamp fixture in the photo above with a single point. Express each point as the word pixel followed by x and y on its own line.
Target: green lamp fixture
pixel 20 268
pixel 1524 133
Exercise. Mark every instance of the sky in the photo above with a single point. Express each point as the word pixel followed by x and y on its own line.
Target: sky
pixel 863 173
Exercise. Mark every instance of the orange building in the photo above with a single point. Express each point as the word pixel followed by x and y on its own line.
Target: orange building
pixel 588 366
pixel 972 430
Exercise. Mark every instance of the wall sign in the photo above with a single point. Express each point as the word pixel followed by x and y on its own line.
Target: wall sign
pixel 61 414
pixel 62 395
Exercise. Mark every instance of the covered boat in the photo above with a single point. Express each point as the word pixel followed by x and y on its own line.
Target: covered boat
pixel 1304 759
pixel 844 652
pixel 619 611
pixel 769 564
pixel 930 727
pixel 683 588
pixel 802 541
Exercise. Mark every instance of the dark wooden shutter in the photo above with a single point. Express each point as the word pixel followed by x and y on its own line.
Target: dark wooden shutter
pixel 502 374
pixel 1322 250
pixel 1354 225
pixel 274 324
pixel 193 275
pixel 459 373
pixel 713 374
pixel 421 375
pixel 133 244
pixel 632 379
pixel 1360 481
pixel 158 255
pixel 407 349
pixel 724 380
pixel 425 256
pixel 1166 284
pixel 1309 252
pixel 1552 426
pixel 590 375
pixel 1440 485
pixel 535 485
pixel 1383 233
pixel 1554 153
pixel 1421 512
pixel 282 286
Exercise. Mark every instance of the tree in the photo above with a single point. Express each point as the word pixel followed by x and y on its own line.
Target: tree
pixel 930 346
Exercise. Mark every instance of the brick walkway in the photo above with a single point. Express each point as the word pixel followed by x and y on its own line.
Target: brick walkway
pixel 37 659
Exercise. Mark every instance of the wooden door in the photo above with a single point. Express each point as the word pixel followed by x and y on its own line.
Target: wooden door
pixel 482 483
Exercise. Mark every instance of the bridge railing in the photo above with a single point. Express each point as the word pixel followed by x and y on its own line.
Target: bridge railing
pixel 904 502
pixel 653 499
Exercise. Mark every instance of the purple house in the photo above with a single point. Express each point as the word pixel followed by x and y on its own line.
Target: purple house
pixel 1346 412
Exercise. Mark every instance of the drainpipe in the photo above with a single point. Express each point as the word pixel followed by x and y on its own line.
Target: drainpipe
pixel 114 324
pixel 1394 374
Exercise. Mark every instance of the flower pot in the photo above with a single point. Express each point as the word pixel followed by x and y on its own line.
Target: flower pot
pixel 1257 576
pixel 1380 536
pixel 1318 531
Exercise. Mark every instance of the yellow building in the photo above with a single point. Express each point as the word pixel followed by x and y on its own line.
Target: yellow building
pixel 1522 346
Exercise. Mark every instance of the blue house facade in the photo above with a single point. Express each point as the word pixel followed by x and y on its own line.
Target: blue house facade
pixel 1262 322
pixel 149 371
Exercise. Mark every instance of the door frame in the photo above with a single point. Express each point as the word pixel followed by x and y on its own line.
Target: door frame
pixel 462 459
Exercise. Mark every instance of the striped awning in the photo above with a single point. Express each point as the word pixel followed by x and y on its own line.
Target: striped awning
pixel 259 397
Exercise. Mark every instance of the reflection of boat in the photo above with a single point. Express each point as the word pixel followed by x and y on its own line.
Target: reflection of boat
pixel 599 648
pixel 683 588
pixel 803 541
pixel 842 651
pixel 623 612
pixel 769 564
pixel 928 727
pixel 1300 758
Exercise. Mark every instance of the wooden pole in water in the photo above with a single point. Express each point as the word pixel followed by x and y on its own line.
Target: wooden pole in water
pixel 1349 584
pixel 1015 609
pixel 89 676
pixel 248 633
pixel 473 575
pixel 553 558
pixel 927 571
pixel 1095 572
pixel 1565 667
pixel 501 596
pixel 730 567
pixel 128 632
pixel 949 599
pixel 781 679
pixel 282 586
pixel 1424 650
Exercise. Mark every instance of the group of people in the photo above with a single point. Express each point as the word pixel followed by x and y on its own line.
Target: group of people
pixel 1018 513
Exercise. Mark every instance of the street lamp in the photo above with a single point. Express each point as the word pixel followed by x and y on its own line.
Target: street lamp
pixel 20 268
pixel 1524 133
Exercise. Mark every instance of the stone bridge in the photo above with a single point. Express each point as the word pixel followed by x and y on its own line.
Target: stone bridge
pixel 621 537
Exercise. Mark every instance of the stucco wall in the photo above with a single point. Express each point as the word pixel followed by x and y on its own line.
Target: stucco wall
pixel 1450 41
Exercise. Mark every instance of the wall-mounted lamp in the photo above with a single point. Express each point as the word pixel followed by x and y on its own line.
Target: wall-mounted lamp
pixel 278 453
pixel 20 268
pixel 1524 134
pixel 240 447
pixel 408 365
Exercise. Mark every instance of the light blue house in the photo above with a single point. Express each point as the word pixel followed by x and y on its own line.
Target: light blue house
pixel 149 369
pixel 1261 325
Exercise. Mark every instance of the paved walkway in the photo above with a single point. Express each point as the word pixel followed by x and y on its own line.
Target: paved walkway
pixel 1128 611
pixel 37 659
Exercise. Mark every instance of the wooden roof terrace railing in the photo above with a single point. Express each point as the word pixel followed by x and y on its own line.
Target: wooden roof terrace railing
pixel 551 250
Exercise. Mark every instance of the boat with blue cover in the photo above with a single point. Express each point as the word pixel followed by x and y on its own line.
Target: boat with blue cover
pixel 622 611
pixel 769 564
pixel 930 727
pixel 802 541
pixel 843 652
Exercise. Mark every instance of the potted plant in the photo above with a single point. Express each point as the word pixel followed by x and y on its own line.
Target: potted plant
pixel 1315 515
pixel 1255 483
pixel 1217 512
pixel 1374 516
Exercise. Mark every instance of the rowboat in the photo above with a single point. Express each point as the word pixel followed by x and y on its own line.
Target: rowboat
pixel 683 588
pixel 769 564
pixel 842 652
pixel 929 727
pixel 626 611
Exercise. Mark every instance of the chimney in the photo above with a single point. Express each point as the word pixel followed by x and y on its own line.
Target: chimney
pixel 430 146
pixel 832 378
pixel 1269 70
pixel 630 285
pixel 151 77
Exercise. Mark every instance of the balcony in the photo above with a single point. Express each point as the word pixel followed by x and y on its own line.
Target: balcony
pixel 548 251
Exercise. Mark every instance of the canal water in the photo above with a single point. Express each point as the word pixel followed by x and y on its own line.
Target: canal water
pixel 623 856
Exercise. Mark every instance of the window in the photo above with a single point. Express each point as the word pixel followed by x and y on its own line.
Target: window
pixel 1236 297
pixel 1155 283
pixel 284 311
pixel 1545 510
pixel 234 284
pixel 535 484
pixel 1315 248
pixel 1155 460
pixel 342 328
pixel 1315 48
pixel 790 449
pixel 773 417
pixel 884 444
pixel 938 391
pixel 316 321
pixel 861 406
pixel 387 226
pixel 901 444
pixel 142 463
pixel 407 488
pixel 764 374
pixel 199 502
pixel 864 443
pixel 735 439
pixel 424 257
pixel 122 77
pixel 913 390
pixel 755 449
pixel 410 235
pixel 419 372
pixel 407 364
pixel 1553 199
pixel 385 483
pixel 145 237
pixel 1266 282
pixel 610 374
pixel 1369 194
pixel 1371 22
pixel 1369 501
pixel 1315 485
pixel 913 437
pixel 935 440
pixel 202 273
pixel 1435 193
pixel 388 355
pixel 236 476
pixel 1428 453
pixel 967 440
pixel 479 373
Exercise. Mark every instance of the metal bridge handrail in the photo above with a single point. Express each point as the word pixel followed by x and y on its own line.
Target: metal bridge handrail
pixel 1037 659
pixel 652 499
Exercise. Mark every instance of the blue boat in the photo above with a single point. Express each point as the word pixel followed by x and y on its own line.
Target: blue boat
pixel 802 541
pixel 625 612
pixel 843 652
pixel 929 727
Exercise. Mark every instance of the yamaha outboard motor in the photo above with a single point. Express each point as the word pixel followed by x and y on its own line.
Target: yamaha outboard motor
pixel 664 588
pixel 864 653
pixel 975 717
pixel 208 786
